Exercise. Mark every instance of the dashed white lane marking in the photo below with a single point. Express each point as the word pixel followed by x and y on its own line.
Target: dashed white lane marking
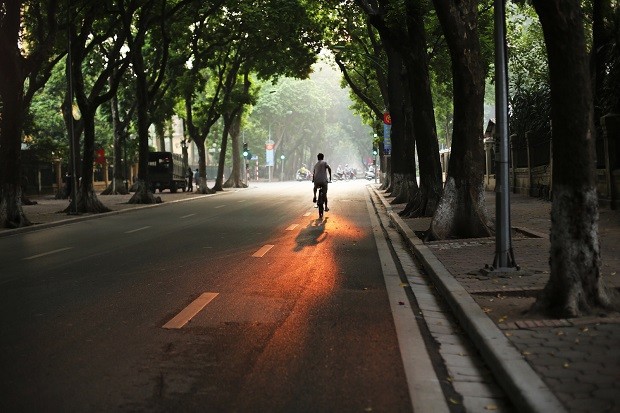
pixel 220 206
pixel 243 200
pixel 307 214
pixel 187 216
pixel 262 251
pixel 292 227
pixel 47 253
pixel 190 311
pixel 137 229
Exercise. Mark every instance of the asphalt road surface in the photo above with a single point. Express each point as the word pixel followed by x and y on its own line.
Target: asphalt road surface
pixel 243 301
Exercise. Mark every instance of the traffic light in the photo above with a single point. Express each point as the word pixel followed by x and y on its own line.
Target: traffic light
pixel 246 152
pixel 374 150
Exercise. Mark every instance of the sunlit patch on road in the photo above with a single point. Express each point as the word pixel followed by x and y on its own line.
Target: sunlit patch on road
pixel 261 252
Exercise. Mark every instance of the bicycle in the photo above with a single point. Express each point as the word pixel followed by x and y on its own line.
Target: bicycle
pixel 320 202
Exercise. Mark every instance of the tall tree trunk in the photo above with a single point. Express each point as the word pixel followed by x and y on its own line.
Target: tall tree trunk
pixel 461 213
pixel 11 125
pixel 237 178
pixel 199 140
pixel 575 285
pixel 143 194
pixel 219 179
pixel 403 174
pixel 117 186
pixel 87 200
pixel 426 200
pixel 160 133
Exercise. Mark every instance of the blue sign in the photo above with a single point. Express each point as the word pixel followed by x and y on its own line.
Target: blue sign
pixel 269 153
pixel 387 140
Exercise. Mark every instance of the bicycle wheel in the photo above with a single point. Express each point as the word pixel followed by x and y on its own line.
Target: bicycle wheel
pixel 320 203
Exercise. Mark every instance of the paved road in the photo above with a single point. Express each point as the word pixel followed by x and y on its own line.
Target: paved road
pixel 291 314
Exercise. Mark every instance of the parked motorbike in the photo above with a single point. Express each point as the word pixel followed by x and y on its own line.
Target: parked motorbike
pixel 370 175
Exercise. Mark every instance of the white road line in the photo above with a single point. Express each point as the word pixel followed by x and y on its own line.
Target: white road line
pixel 292 227
pixel 243 200
pixel 262 251
pixel 137 229
pixel 307 214
pixel 220 206
pixel 48 253
pixel 190 311
pixel 187 216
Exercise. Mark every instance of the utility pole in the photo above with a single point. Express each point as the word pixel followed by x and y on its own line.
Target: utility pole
pixel 504 257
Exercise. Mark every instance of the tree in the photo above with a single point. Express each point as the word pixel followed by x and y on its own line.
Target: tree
pixel 411 107
pixel 96 67
pixel 461 212
pixel 241 97
pixel 416 60
pixel 361 58
pixel 575 285
pixel 388 21
pixel 240 40
pixel 146 27
pixel 293 113
pixel 122 109
pixel 19 64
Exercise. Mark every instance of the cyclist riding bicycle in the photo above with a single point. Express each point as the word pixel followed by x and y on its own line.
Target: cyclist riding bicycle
pixel 319 177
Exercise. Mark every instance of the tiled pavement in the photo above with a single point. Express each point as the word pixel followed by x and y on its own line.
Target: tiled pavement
pixel 578 360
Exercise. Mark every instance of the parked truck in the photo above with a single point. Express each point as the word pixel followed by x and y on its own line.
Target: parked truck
pixel 166 171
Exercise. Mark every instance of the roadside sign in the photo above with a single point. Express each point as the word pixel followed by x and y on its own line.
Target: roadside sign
pixel 269 153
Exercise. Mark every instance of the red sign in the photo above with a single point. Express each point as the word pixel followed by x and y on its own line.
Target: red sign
pixel 387 119
pixel 269 146
pixel 100 156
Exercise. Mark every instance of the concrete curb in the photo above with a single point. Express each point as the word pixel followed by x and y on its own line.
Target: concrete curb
pixel 521 383
pixel 68 220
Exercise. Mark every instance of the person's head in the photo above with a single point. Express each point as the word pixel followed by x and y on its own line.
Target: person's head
pixel 320 156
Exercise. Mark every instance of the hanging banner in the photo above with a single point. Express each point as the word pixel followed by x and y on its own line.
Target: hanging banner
pixel 387 140
pixel 269 153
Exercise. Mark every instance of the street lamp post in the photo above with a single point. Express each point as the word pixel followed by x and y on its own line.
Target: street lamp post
pixel 185 156
pixel 282 168
pixel 72 143
pixel 375 153
pixel 504 257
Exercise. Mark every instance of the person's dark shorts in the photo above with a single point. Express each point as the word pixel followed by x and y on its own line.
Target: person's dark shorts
pixel 321 185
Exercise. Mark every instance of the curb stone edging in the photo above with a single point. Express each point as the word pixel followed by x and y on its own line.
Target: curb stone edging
pixel 522 384
pixel 52 224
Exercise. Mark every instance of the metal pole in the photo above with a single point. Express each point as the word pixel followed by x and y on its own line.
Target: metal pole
pixel 376 169
pixel 73 207
pixel 504 259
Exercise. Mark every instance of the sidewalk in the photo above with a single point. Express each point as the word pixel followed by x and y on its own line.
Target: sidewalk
pixel 543 365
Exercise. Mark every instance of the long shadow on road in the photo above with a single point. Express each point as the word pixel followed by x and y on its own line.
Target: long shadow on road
pixel 313 234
